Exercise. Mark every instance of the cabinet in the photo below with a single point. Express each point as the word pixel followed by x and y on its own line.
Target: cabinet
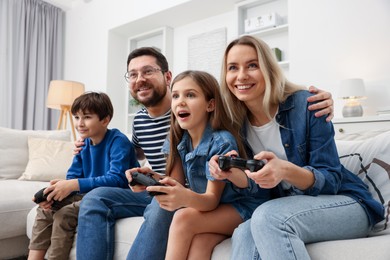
pixel 275 37
pixel 359 126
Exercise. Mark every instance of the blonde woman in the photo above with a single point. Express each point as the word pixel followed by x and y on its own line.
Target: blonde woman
pixel 319 196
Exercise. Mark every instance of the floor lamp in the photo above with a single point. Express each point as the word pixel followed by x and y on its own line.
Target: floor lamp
pixel 61 95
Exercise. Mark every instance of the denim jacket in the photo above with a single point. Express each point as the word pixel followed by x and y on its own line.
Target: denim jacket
pixel 196 170
pixel 309 143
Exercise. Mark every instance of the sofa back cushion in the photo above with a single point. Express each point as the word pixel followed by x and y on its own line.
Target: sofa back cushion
pixel 370 160
pixel 14 149
pixel 48 159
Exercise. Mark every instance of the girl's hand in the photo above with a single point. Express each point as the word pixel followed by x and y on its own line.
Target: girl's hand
pixel 176 195
pixel 137 187
pixel 214 169
pixel 78 146
pixel 272 172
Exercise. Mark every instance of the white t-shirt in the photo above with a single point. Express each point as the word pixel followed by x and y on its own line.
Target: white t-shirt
pixel 267 138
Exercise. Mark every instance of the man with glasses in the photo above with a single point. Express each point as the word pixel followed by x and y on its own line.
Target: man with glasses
pixel 149 79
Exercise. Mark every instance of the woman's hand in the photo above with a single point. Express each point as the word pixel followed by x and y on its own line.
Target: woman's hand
pixel 272 172
pixel 325 106
pixel 276 170
pixel 175 197
pixel 78 146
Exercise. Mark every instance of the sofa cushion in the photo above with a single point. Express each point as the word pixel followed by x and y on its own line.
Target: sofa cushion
pixel 48 159
pixel 15 203
pixel 14 149
pixel 370 160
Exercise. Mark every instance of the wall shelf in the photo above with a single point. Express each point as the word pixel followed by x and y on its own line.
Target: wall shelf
pixel 275 37
pixel 270 31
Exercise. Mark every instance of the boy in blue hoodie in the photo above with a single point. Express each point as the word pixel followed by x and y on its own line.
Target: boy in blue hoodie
pixel 106 155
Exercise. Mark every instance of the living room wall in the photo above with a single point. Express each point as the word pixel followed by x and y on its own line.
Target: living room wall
pixel 329 40
pixel 333 40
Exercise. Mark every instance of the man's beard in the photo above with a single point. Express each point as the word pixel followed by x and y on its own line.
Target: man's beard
pixel 154 100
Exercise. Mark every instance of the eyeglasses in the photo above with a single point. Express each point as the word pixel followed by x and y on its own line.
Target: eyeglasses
pixel 146 72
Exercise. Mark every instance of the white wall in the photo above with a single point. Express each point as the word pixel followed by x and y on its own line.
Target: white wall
pixel 337 39
pixel 183 33
pixel 329 40
pixel 87 30
pixel 89 41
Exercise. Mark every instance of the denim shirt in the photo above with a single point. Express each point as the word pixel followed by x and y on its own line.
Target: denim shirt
pixel 309 143
pixel 196 170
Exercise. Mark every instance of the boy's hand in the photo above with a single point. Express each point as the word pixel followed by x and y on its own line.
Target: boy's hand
pixel 78 146
pixel 60 189
pixel 325 106
pixel 45 205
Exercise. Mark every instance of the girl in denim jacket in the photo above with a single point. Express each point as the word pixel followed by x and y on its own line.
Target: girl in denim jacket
pixel 200 129
pixel 322 200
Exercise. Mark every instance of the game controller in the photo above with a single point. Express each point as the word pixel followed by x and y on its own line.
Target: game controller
pixel 227 162
pixel 40 196
pixel 146 180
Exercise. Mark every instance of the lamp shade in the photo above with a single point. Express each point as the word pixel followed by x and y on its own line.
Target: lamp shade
pixel 63 93
pixel 352 88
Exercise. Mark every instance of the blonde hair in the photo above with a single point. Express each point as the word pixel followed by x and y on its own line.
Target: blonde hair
pixel 277 87
pixel 218 118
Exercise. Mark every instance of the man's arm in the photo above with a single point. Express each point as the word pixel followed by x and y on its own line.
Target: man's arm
pixel 140 153
pixel 325 104
pixel 78 146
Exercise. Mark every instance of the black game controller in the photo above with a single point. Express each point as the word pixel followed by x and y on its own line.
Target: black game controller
pixel 227 162
pixel 40 196
pixel 146 180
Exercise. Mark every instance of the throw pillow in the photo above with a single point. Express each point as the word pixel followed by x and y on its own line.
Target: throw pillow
pixel 14 148
pixel 48 159
pixel 370 160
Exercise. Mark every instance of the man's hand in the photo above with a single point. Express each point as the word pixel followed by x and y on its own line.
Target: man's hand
pixel 78 146
pixel 143 170
pixel 325 106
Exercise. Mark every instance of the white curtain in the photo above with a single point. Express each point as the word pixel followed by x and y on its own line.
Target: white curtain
pixel 31 48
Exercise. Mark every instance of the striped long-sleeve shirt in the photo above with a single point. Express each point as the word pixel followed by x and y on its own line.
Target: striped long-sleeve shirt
pixel 149 134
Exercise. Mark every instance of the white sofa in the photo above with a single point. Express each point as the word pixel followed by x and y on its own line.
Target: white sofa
pixel 15 194
pixel 16 223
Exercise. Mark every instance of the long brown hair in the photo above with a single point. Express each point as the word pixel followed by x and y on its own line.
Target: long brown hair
pixel 218 118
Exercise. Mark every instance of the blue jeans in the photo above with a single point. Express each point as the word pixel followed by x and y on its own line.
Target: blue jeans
pixel 280 228
pixel 152 238
pixel 99 210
